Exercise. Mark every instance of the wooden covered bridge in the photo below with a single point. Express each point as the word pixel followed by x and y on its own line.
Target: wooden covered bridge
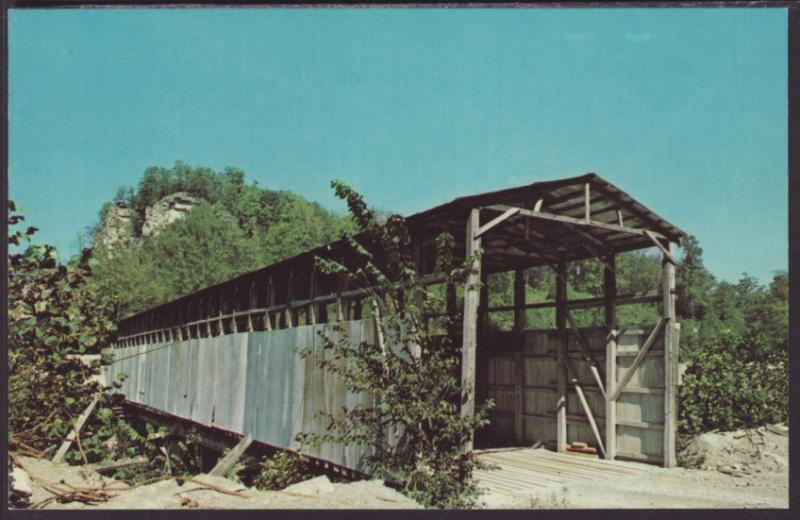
pixel 224 357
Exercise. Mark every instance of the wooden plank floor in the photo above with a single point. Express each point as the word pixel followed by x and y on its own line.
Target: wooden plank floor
pixel 520 470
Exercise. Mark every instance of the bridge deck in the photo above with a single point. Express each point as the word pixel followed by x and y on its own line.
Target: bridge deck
pixel 522 470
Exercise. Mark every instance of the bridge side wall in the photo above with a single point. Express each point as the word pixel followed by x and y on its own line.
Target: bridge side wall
pixel 247 382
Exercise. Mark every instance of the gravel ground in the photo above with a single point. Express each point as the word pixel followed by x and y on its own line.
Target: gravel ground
pixel 742 469
pixel 317 493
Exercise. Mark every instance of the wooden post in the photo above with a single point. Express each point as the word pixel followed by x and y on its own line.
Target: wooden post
pixel 610 295
pixel 312 307
pixel 587 205
pixel 483 355
pixel 341 304
pixel 234 303
pixel 519 333
pixel 671 333
pixel 469 335
pixel 289 296
pixel 561 325
pixel 270 303
pixel 220 306
pixel 251 297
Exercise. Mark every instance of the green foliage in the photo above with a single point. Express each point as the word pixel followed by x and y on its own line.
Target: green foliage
pixel 724 389
pixel 200 250
pixel 734 340
pixel 283 469
pixel 54 314
pixel 235 228
pixel 412 373
pixel 166 454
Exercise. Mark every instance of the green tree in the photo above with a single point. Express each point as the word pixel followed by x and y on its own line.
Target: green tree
pixel 53 315
pixel 412 373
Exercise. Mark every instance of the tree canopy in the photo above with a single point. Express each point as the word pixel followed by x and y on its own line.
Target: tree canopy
pixel 235 228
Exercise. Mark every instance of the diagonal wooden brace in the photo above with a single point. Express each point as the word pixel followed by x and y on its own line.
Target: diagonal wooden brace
pixel 495 221
pixel 586 410
pixel 661 248
pixel 639 359
pixel 587 354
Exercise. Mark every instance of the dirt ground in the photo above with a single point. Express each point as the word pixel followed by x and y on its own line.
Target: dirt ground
pixel 317 493
pixel 744 469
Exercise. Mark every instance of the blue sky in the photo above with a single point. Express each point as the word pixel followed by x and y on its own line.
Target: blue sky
pixel 685 109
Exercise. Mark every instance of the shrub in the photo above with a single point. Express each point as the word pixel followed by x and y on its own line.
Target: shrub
pixel 284 469
pixel 726 388
pixel 412 371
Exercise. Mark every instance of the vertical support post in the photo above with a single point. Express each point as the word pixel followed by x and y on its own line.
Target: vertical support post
pixel 483 355
pixel 519 334
pixel 251 296
pixel 220 307
pixel 587 203
pixel 561 325
pixel 610 296
pixel 270 303
pixel 341 303
pixel 181 321
pixel 671 333
pixel 289 296
pixel 312 307
pixel 234 304
pixel 470 333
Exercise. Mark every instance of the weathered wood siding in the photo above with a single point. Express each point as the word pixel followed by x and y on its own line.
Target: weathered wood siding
pixel 247 382
pixel 639 410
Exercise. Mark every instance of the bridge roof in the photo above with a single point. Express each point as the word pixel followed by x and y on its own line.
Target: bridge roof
pixel 549 225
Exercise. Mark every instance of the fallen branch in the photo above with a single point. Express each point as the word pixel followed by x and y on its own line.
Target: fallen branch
pixel 28 449
pixel 78 442
pixel 90 496
pixel 193 481
pixel 108 468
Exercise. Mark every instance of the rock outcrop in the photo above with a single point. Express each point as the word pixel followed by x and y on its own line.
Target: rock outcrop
pixel 116 227
pixel 169 209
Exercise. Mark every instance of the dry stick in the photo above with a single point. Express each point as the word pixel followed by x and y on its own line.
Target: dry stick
pixel 78 442
pixel 31 451
pixel 193 481
pixel 87 496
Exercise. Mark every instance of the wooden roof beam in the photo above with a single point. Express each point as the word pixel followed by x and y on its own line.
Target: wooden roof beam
pixel 580 223
pixel 631 206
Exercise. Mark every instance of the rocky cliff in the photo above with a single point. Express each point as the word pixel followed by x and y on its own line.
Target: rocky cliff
pixel 116 227
pixel 117 224
pixel 166 211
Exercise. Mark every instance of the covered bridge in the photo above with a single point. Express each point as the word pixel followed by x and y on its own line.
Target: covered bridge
pixel 224 356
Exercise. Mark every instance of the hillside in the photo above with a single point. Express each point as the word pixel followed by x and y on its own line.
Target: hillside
pixel 184 228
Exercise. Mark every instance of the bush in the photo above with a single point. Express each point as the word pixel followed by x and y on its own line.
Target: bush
pixel 284 469
pixel 726 388
pixel 411 371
